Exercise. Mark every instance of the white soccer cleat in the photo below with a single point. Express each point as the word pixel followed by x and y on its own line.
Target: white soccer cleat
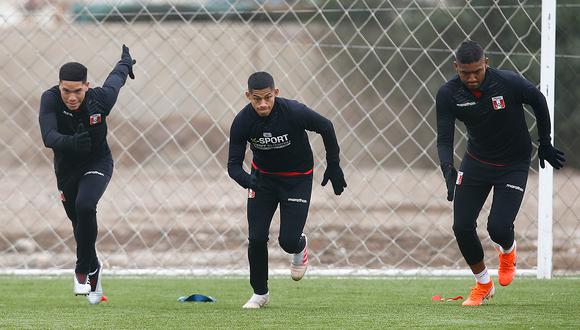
pixel 96 294
pixel 81 286
pixel 257 301
pixel 299 262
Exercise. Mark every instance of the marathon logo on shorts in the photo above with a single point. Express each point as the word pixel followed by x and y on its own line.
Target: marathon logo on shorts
pixel 94 172
pixel 459 178
pixel 498 102
pixel 95 119
pixel 515 187
pixel 61 196
pixel 297 200
pixel 269 142
pixel 251 193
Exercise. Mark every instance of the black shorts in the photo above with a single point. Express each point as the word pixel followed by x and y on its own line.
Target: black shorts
pixel 475 181
pixel 292 194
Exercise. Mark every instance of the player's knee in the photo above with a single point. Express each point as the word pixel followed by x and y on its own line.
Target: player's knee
pixel 289 245
pixel 463 229
pixel 72 215
pixel 85 208
pixel 499 231
pixel 254 243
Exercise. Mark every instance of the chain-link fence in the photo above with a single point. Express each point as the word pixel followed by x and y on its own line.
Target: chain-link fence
pixel 567 137
pixel 372 67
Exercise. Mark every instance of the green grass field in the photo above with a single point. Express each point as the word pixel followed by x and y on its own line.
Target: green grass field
pixel 314 303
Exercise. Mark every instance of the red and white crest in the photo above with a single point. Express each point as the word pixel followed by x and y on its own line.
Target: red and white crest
pixel 95 119
pixel 498 102
pixel 251 193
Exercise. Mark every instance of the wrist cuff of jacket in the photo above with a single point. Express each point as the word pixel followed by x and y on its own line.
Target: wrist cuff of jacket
pixel 545 140
pixel 446 167
pixel 127 63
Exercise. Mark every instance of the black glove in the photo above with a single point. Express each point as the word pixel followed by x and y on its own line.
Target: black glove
pixel 255 182
pixel 334 174
pixel 450 175
pixel 126 57
pixel 555 157
pixel 81 140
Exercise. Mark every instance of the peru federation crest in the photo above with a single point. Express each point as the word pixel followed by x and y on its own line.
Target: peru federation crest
pixel 95 119
pixel 498 102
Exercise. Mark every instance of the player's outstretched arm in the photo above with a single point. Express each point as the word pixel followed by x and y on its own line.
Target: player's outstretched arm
pixel 546 151
pixel 236 153
pixel 315 122
pixel 107 95
pixel 445 136
pixel 333 171
pixel 450 175
pixel 235 170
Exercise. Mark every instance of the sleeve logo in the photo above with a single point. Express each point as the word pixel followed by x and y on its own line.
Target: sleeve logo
pixel 498 102
pixel 95 119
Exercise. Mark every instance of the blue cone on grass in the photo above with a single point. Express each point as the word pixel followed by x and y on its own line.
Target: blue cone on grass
pixel 196 298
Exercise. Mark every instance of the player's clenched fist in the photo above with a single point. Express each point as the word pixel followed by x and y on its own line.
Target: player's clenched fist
pixel 128 60
pixel 81 140
pixel 334 174
pixel 450 175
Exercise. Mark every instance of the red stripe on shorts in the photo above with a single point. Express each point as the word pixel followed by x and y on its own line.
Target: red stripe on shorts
pixel 485 162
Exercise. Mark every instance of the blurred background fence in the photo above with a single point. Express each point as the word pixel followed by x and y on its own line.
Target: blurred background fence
pixel 372 67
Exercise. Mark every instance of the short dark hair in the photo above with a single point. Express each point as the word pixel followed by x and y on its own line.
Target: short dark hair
pixel 73 71
pixel 469 52
pixel 260 80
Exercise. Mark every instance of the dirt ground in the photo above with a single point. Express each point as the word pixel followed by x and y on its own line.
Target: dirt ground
pixel 196 221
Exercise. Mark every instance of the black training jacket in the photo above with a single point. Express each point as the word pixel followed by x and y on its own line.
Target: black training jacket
pixel 495 122
pixel 279 141
pixel 58 123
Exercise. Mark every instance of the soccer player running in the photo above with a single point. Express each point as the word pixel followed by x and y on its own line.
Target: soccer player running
pixel 281 174
pixel 73 124
pixel 489 102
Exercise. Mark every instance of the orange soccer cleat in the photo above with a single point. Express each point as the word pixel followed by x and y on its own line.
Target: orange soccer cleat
pixel 479 293
pixel 507 267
